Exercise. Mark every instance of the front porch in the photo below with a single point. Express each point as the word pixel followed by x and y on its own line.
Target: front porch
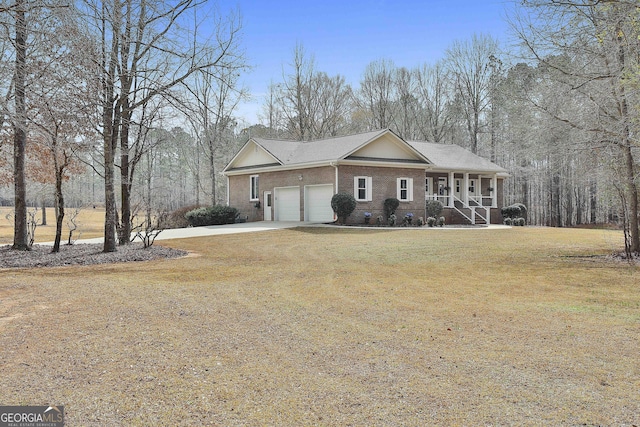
pixel 467 196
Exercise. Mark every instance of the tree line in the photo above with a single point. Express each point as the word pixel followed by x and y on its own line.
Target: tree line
pixel 100 85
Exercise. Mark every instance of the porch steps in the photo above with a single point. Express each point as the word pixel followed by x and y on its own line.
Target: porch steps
pixel 474 215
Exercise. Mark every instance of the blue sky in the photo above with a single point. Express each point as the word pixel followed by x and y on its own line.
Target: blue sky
pixel 344 36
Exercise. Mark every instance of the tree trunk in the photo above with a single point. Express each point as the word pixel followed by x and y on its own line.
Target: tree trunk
pixel 109 193
pixel 632 189
pixel 124 231
pixel 20 239
pixel 110 119
pixel 59 210
pixel 44 211
pixel 556 220
pixel 630 184
pixel 593 201
pixel 213 173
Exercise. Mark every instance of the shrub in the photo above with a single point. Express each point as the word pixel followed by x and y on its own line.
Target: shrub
pixel 392 220
pixel 520 222
pixel 516 210
pixel 177 218
pixel 433 208
pixel 408 218
pixel 523 210
pixel 420 222
pixel 431 221
pixel 508 221
pixel 343 204
pixel 379 220
pixel 390 206
pixel 440 221
pixel 213 215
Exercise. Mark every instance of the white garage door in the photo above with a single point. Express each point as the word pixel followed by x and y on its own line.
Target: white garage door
pixel 318 203
pixel 287 204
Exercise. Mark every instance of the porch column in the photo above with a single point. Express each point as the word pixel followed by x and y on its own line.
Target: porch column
pixel 494 193
pixel 451 190
pixel 465 193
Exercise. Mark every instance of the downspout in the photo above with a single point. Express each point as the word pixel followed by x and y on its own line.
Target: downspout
pixel 335 165
pixel 228 193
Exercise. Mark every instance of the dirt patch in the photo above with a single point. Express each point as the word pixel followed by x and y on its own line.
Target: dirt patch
pixel 82 254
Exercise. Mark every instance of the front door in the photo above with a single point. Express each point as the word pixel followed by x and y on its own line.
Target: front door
pixel 457 188
pixel 267 205
pixel 473 188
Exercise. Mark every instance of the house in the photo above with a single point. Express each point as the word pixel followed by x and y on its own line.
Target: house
pixel 294 181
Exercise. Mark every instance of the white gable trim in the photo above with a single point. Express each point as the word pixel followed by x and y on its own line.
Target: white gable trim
pixel 399 142
pixel 244 152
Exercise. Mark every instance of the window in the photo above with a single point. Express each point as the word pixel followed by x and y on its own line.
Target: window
pixel 362 188
pixel 254 188
pixel 405 189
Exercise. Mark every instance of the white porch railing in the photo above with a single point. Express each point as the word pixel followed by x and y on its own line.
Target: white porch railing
pixel 449 201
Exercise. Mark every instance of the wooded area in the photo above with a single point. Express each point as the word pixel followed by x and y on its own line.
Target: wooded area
pixel 134 95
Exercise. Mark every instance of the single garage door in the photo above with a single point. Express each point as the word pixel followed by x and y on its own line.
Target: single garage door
pixel 318 203
pixel 287 204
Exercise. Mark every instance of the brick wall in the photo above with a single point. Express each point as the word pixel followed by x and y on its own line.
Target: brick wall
pixel 384 186
pixel 239 187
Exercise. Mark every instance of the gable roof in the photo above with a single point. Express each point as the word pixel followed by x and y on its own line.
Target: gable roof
pixel 291 154
pixel 379 146
pixel 454 157
pixel 296 152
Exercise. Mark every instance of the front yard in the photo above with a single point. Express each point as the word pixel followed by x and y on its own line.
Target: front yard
pixel 334 326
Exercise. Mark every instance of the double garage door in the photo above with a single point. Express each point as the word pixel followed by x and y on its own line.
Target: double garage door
pixel 317 203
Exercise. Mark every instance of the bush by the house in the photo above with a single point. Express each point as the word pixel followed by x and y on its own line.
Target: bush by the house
pixel 420 222
pixel 212 215
pixel 177 218
pixel 408 218
pixel 517 210
pixel 392 220
pixel 390 206
pixel 433 208
pixel 440 222
pixel 431 221
pixel 508 221
pixel 343 204
pixel 519 222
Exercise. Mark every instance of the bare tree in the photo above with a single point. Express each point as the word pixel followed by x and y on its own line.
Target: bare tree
pixel 32 23
pixel 215 97
pixel 20 238
pixel 469 64
pixel 294 94
pixel 143 53
pixel 376 94
pixel 308 104
pixel 434 95
pixel 591 48
pixel 406 106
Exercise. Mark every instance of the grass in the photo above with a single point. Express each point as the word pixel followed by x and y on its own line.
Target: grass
pixel 90 223
pixel 323 326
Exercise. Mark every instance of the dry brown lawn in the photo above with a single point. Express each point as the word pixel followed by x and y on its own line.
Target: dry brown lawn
pixel 90 224
pixel 322 326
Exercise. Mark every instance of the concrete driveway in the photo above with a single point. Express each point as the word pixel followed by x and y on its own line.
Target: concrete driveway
pixel 214 230
pixel 253 227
